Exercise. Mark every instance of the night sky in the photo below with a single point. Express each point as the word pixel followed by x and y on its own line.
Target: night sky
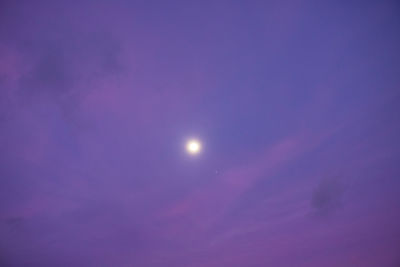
pixel 295 103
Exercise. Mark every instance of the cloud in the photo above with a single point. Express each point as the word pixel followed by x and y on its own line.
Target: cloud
pixel 14 223
pixel 95 98
pixel 327 197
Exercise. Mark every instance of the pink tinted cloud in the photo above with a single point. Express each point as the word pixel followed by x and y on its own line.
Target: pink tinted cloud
pixel 206 206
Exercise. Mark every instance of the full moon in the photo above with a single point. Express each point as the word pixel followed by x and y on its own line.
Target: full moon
pixel 193 146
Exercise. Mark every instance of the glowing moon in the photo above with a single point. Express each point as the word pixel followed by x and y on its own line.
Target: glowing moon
pixel 193 147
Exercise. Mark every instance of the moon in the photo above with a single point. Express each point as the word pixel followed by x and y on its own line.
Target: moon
pixel 193 146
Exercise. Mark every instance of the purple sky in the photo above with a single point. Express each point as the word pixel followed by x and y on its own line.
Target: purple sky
pixel 296 104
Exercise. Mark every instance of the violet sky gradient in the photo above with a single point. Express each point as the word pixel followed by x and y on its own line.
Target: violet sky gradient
pixel 296 103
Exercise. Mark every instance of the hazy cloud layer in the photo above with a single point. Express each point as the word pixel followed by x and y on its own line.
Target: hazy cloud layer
pixel 296 104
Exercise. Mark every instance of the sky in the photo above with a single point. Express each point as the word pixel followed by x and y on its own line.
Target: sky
pixel 295 104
